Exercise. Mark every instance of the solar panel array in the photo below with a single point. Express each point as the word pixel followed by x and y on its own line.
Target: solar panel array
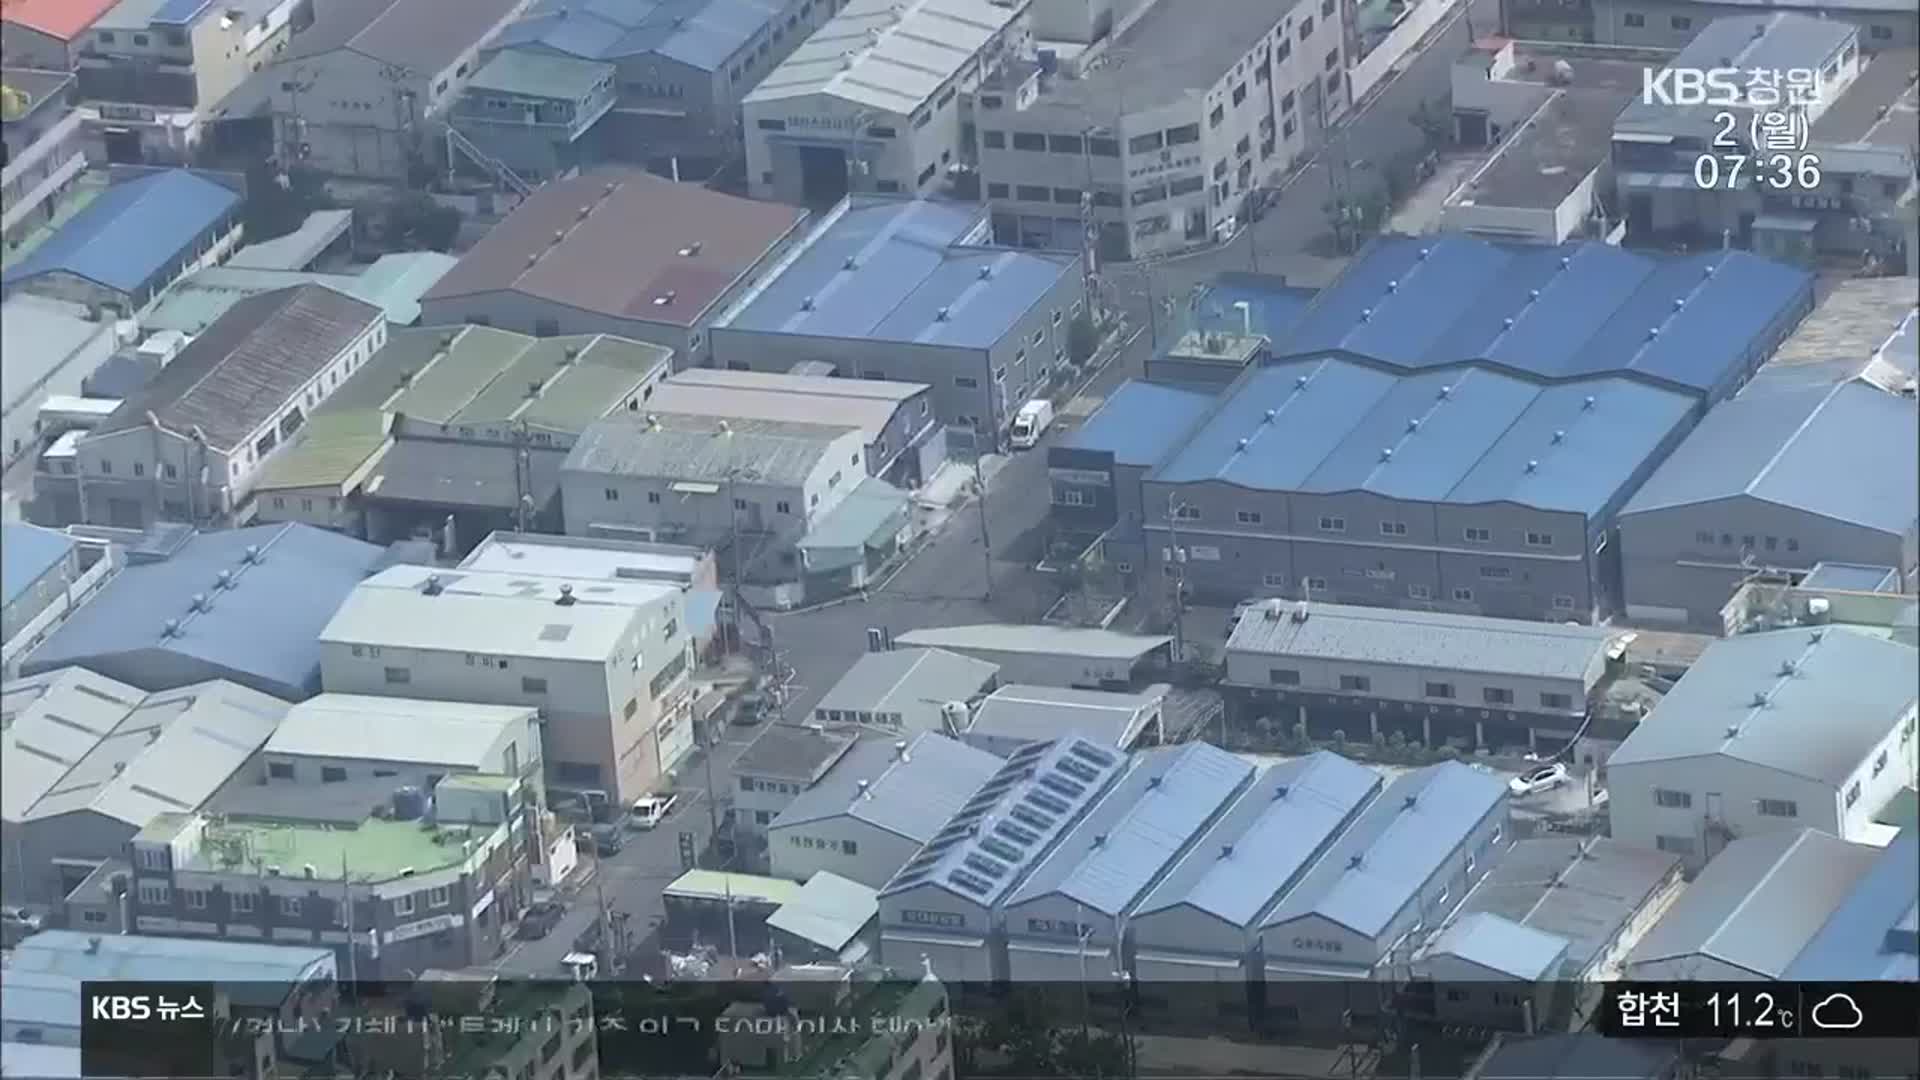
pixel 1012 819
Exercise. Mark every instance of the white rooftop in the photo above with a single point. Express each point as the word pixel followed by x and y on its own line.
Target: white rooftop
pixel 584 557
pixel 395 729
pixel 500 625
pixel 525 585
pixel 888 54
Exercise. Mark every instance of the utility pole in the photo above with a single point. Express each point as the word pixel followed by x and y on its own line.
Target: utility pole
pixel 986 539
pixel 1179 564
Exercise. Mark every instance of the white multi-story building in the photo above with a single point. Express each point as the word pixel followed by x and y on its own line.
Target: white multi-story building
pixel 1788 729
pixel 609 677
pixel 1195 106
pixel 874 100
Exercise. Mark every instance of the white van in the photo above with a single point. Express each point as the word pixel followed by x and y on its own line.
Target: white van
pixel 1031 422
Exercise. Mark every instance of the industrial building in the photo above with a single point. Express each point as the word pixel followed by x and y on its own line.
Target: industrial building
pixel 615 251
pixel 1871 933
pixel 1755 489
pixel 38 568
pixel 243 605
pixel 1188 864
pixel 908 692
pixel 48 348
pixel 875 808
pixel 1475 465
pixel 1166 135
pixel 1014 716
pixel 1070 656
pixel 914 290
pixel 1431 677
pixel 1769 732
pixel 830 919
pixel 396 742
pixel 1096 470
pixel 609 677
pixel 89 762
pixel 781 762
pixel 1673 24
pixel 871 100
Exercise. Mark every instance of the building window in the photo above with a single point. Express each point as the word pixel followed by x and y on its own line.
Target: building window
pixel 196 899
pixel 1477 535
pixel 1539 539
pixel 1779 808
pixel 333 774
pixel 1316 584
pixel 398 676
pixel 1672 800
pixel 280 770
pixel 1496 695
pixel 966 382
pixel 993 140
pixel 532 684
pixel 1358 684
pixel 243 903
pixel 1682 22
pixel 155 894
pixel 1704 536
pixel 612 494
pixel 1674 845
pixel 1239 93
pixel 1283 676
pixel 1563 603
pixel 1634 18
pixel 1306 28
pixel 1333 524
pixel 1496 573
pixel 1247 517
pixel 1853 794
pixel 1420 592
pixel 849 847
pixel 403 906
pixel 1181 136
pixel 1273 581
pixel 1440 690
pixel 1186 512
pixel 290 907
pixel 1032 193
pixel 1793 545
pixel 1555 701
pixel 1463 596
pixel 1880 763
pixel 1333 59
pixel 1218 115
pixel 1393 528
pixel 439 896
pixel 1029 140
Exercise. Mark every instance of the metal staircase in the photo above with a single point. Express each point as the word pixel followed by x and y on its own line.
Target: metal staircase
pixel 492 166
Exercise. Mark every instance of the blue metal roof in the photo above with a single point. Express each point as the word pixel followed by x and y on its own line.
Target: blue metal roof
pixel 702 34
pixel 1137 829
pixel 1266 839
pixel 179 12
pixel 263 630
pixel 1141 422
pixel 27 552
pixel 1797 439
pixel 1273 305
pixel 1459 435
pixel 1381 863
pixel 1554 313
pixel 888 268
pixel 1871 934
pixel 132 230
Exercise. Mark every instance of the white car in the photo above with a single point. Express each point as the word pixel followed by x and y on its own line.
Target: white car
pixel 1535 781
pixel 651 811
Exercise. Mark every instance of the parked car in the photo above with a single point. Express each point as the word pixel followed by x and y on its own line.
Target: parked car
pixel 651 811
pixel 541 917
pixel 608 840
pixel 1535 781
pixel 18 923
pixel 751 707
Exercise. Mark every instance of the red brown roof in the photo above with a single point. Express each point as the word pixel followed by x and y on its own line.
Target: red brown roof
pixel 64 19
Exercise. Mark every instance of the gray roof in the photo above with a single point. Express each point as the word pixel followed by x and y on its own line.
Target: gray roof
pixel 1142 822
pixel 1582 889
pixel 424 35
pixel 1429 640
pixel 138 958
pixel 1776 41
pixel 396 729
pixel 1851 577
pixel 811 399
pixel 794 752
pixel 1870 935
pixel 828 911
pixel 88 743
pixel 1806 702
pixel 1501 946
pixel 1277 827
pixel 911 796
pixel 904 680
pixel 871 516
pixel 537 74
pixel 696 448
pixel 1045 713
pixel 1021 638
pixel 40 999
pixel 38 336
pixel 1378 867
pixel 1759 902
pixel 244 368
pixel 433 472
pixel 884 54
pixel 453 621
pixel 27 552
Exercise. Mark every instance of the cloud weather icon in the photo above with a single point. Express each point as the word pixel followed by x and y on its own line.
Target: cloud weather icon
pixel 1837 1012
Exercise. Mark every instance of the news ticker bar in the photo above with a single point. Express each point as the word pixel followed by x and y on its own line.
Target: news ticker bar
pixel 1760 1010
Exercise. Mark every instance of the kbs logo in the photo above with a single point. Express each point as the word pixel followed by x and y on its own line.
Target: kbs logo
pixel 1693 86
pixel 123 1007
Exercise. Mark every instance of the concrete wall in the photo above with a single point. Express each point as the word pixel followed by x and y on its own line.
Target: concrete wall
pixel 37 595
pixel 33 875
pixel 517 749
pixel 875 857
pixel 1719 788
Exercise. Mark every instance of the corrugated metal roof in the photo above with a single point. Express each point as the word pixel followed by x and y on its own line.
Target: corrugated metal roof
pixel 1141 422
pixel 828 911
pixel 426 36
pixel 911 797
pixel 1777 41
pixel 89 743
pixel 1851 577
pixel 702 34
pixel 41 1000
pixel 137 958
pixel 695 448
pixel 241 371
pixel 392 283
pixel 435 472
pixel 1274 307
pixel 1045 713
pixel 396 729
pixel 1141 823
pixel 1583 309
pixel 27 552
pixel 1809 703
pixel 464 622
pixel 798 384
pixel 257 629
pixel 889 268
pixel 869 516
pixel 1430 640
pixel 1260 846
pixel 298 249
pixel 63 19
pixel 39 336
pixel 1758 902
pixel 132 231
pixel 1794 439
pixel 1857 940
pixel 904 680
pixel 1501 946
pixel 1378 867
pixel 535 74
pixel 1859 318
pixel 1583 889
pixel 887 54
pixel 1472 435
pixel 717 885
pixel 794 752
pixel 1022 638
pixel 869 415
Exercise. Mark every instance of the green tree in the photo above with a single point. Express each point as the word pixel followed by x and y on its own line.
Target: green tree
pixel 417 222
pixel 276 203
pixel 1093 1054
pixel 1082 338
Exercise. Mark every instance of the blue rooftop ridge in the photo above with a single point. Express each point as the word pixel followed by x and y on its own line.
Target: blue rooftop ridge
pixel 702 34
pixel 132 230
pixel 1266 839
pixel 1460 435
pixel 1140 423
pixel 1378 867
pixel 912 271
pixel 1698 322
pixel 1138 828
pixel 1871 935
pixel 26 553
pixel 1796 440
pixel 1013 820
pixel 244 604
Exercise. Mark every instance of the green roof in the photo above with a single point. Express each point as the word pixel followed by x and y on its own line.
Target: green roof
pixel 392 283
pixel 329 450
pixel 575 390
pixel 374 850
pixel 718 885
pixel 542 75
